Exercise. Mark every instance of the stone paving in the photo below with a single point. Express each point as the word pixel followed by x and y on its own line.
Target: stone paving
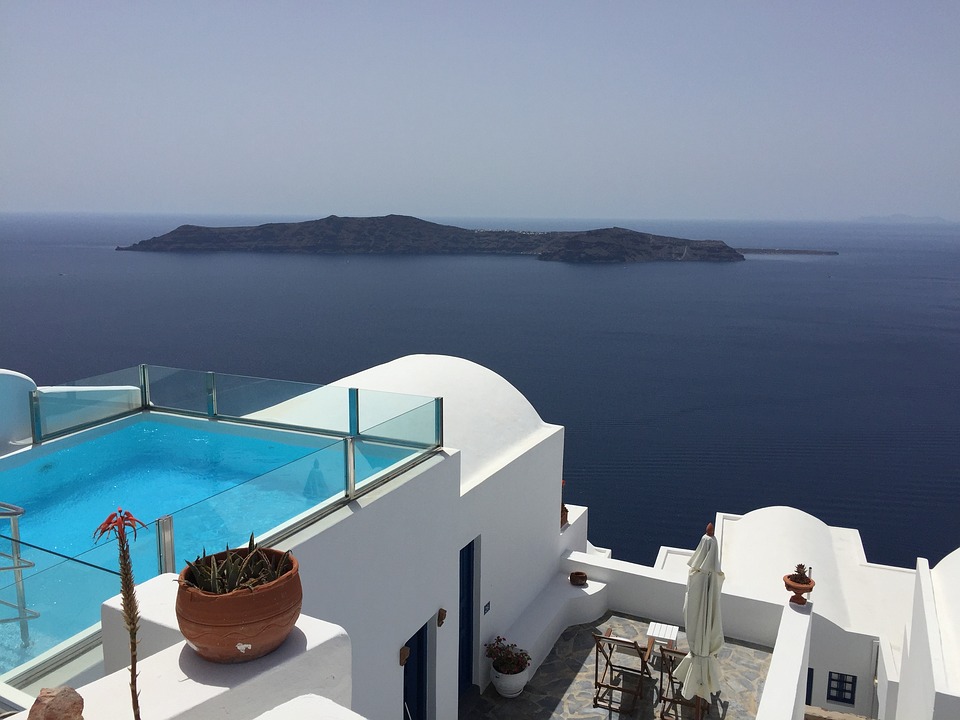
pixel 563 688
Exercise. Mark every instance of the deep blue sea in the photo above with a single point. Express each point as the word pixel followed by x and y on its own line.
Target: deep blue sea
pixel 826 383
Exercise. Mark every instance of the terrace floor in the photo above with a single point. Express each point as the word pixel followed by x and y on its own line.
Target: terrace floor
pixel 562 688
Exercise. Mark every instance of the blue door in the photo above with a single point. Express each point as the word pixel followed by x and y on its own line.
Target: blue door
pixel 466 617
pixel 415 678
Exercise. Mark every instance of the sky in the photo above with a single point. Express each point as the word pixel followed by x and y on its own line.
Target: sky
pixel 819 110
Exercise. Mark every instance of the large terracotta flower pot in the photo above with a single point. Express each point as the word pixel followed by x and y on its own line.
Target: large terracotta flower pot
pixel 244 624
pixel 798 589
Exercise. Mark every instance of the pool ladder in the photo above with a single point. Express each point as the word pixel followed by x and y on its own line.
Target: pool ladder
pixel 18 565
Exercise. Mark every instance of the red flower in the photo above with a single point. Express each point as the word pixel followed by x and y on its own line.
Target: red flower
pixel 118 522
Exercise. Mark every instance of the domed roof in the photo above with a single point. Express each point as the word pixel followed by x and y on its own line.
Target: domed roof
pixel 484 416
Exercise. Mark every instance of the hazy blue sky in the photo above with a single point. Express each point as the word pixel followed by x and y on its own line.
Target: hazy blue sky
pixel 819 110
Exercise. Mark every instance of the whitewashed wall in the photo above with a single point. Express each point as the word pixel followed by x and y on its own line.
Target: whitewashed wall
pixel 785 684
pixel 659 594
pixel 833 649
pixel 918 666
pixel 383 566
pixel 15 391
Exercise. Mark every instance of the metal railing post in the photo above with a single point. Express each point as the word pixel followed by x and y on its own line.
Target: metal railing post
pixel 211 395
pixel 18 579
pixel 144 387
pixel 166 555
pixel 36 427
pixel 350 464
pixel 17 564
pixel 354 396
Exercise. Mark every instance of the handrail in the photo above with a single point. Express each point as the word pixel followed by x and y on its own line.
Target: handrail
pixel 12 513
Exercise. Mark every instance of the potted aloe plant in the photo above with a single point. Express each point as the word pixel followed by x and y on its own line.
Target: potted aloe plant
pixel 799 583
pixel 238 605
pixel 511 666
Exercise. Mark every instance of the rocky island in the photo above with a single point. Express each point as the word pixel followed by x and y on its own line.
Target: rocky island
pixel 403 235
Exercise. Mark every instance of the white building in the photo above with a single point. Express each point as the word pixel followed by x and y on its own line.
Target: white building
pixel 472 534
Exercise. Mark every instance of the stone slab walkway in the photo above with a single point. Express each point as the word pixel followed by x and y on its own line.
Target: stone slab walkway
pixel 563 687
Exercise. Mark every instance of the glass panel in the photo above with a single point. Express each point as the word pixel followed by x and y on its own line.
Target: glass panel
pixel 289 403
pixel 127 376
pixel 239 395
pixel 63 408
pixel 178 389
pixel 374 460
pixel 261 504
pixel 376 408
pixel 66 594
pixel 417 426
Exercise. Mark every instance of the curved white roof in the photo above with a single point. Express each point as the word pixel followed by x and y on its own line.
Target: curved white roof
pixel 946 588
pixel 484 416
pixel 759 548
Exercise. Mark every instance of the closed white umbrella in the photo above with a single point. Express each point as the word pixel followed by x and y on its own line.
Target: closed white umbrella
pixel 700 671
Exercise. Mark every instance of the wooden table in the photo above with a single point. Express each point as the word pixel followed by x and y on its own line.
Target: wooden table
pixel 661 634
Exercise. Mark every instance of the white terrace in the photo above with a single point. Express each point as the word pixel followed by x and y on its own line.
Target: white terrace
pixel 467 545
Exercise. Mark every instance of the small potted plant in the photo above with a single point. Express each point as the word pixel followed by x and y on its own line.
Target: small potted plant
pixel 799 583
pixel 238 605
pixel 511 666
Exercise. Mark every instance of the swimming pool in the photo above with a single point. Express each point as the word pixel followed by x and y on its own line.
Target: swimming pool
pixel 220 482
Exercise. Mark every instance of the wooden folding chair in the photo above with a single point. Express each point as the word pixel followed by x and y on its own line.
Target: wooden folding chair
pixel 671 697
pixel 625 677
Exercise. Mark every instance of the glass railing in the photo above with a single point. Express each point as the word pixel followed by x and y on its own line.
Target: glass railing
pixel 242 396
pixel 261 505
pixel 321 408
pixel 175 389
pixel 418 423
pixel 325 409
pixel 81 403
pixel 62 595
pixel 348 442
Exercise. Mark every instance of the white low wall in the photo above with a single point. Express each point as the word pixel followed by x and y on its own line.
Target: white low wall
pixel 159 629
pixel 310 707
pixel 888 683
pixel 15 389
pixel 176 684
pixel 658 595
pixel 785 686
pixel 556 608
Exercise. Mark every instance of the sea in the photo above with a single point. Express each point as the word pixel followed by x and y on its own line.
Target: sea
pixel 827 383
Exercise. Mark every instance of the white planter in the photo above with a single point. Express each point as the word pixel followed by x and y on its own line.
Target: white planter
pixel 510 685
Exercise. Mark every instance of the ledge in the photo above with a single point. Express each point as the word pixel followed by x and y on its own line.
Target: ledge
pixel 558 606
pixel 176 684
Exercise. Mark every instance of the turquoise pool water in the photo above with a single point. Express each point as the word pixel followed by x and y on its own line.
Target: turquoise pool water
pixel 219 481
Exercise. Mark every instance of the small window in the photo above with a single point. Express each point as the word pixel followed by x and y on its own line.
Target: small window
pixel 842 688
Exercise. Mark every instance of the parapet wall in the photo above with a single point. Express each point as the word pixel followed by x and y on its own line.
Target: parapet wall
pixel 15 389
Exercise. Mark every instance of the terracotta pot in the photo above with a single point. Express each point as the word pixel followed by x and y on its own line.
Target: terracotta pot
pixel 563 514
pixel 798 589
pixel 578 578
pixel 244 624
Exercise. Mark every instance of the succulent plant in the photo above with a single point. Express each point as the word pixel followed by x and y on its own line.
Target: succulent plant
pixel 236 569
pixel 800 574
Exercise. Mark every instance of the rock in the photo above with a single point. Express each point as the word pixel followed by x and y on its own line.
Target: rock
pixel 62 703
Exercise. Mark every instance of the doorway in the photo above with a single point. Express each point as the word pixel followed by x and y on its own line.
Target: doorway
pixel 415 678
pixel 467 569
